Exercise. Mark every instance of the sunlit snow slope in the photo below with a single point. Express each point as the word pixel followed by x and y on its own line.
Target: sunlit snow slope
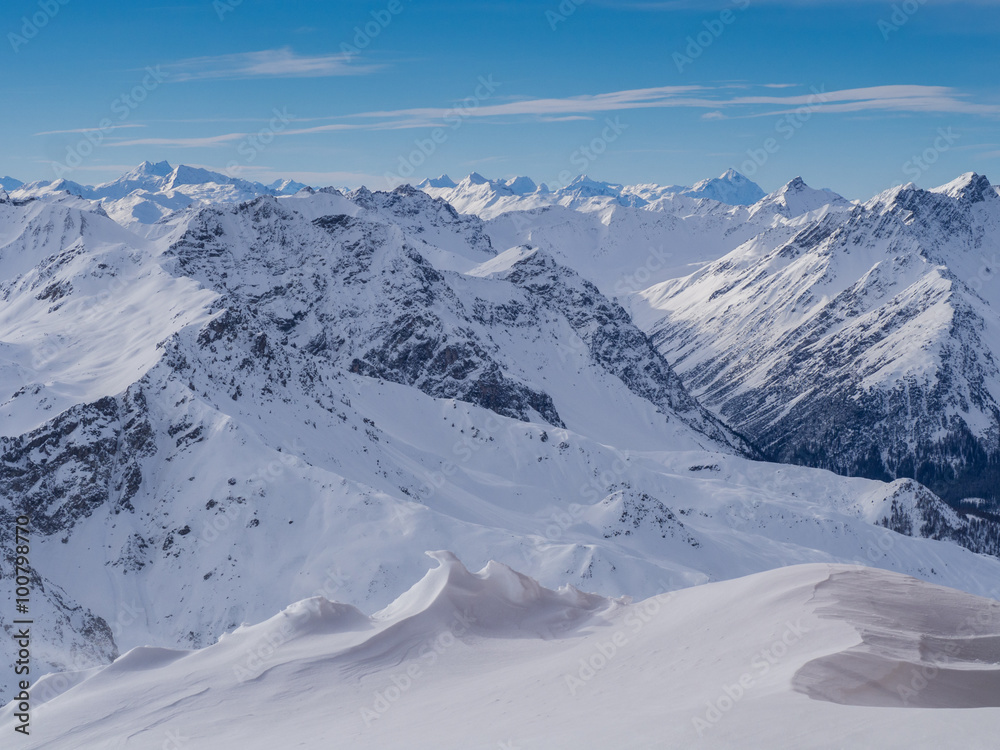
pixel 813 656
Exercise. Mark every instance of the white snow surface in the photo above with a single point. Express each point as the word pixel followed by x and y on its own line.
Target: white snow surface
pixel 808 656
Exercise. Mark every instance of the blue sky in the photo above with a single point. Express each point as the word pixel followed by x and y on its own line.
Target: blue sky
pixel 855 96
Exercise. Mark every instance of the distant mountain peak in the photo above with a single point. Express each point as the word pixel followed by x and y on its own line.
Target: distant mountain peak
pixel 730 187
pixel 444 181
pixel 796 184
pixel 148 168
pixel 796 198
pixel 521 185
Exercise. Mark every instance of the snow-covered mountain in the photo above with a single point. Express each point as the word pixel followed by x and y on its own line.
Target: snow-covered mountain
pixel 797 199
pixel 150 192
pixel 628 248
pixel 489 198
pixel 809 656
pixel 290 396
pixel 867 343
pixel 730 187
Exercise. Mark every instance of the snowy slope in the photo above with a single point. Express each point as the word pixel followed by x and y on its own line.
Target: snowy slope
pixel 866 343
pixel 628 248
pixel 299 395
pixel 813 656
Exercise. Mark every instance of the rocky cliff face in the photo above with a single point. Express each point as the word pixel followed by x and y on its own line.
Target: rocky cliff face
pixel 865 345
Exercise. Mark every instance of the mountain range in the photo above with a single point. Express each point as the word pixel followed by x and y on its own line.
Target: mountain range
pixel 218 398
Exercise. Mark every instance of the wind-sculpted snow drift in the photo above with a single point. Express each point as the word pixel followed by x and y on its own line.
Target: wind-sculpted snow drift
pixel 766 661
pixel 269 400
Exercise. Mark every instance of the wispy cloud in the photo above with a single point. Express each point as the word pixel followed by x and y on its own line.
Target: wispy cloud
pixel 897 98
pixel 271 63
pixel 204 142
pixel 908 98
pixel 89 130
pixel 718 103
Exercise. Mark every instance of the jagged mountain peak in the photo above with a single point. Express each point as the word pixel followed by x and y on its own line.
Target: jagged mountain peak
pixel 970 187
pixel 796 198
pixel 796 184
pixel 147 168
pixel 586 186
pixel 287 186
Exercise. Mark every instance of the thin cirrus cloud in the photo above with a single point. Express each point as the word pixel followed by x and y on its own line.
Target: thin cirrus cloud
pixel 271 63
pixel 202 142
pixel 896 98
pixel 718 103
pixel 75 131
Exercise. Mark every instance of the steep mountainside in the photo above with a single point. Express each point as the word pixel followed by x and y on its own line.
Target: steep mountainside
pixel 866 344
